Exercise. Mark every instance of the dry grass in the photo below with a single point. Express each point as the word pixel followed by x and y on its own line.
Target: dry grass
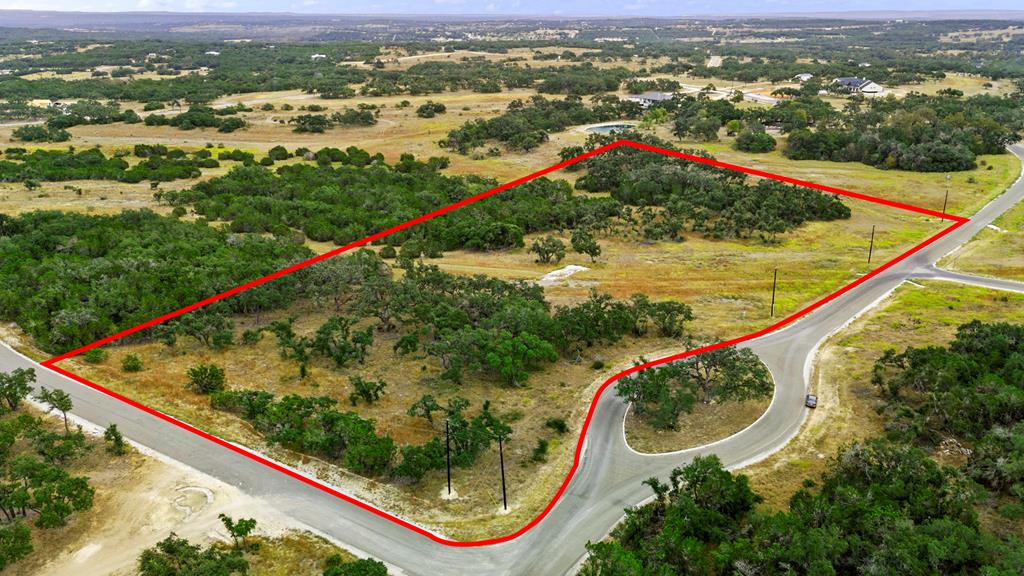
pixel 707 423
pixel 563 391
pixel 292 554
pixel 912 316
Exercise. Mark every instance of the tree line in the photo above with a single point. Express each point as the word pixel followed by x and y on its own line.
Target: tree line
pixel 70 279
pixel 526 125
pixel 351 194
pixel 694 197
pixel 20 165
pixel 940 133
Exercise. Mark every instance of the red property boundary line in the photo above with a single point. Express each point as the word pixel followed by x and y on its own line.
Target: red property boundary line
pixel 957 221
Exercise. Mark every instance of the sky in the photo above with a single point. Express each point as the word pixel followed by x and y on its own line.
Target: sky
pixel 511 7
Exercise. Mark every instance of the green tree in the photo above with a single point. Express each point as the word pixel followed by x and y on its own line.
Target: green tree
pixel 424 408
pixel 755 140
pixel 238 529
pixel 16 385
pixel 730 373
pixel 513 356
pixel 58 400
pixel 15 543
pixel 583 242
pixel 117 445
pixel 174 556
pixel 360 567
pixel 547 249
pixel 368 391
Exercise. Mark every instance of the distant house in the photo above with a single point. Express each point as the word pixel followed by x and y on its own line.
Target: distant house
pixel 6 72
pixel 803 77
pixel 318 56
pixel 648 98
pixel 212 53
pixel 856 84
pixel 864 65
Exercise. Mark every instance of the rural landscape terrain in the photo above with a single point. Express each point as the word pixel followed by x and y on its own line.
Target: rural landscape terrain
pixel 369 295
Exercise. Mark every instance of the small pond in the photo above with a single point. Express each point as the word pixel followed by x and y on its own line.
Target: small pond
pixel 608 128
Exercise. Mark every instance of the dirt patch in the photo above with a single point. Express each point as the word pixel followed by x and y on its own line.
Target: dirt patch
pixel 139 501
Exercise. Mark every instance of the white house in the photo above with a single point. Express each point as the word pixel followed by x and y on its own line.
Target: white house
pixel 648 98
pixel 212 53
pixel 803 77
pixel 318 56
pixel 856 84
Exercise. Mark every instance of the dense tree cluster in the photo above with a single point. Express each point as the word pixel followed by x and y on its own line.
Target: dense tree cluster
pixel 311 425
pixel 363 195
pixel 661 393
pixel 526 125
pixel 162 165
pixel 880 508
pixel 70 279
pixel 883 506
pixel 691 196
pixel 35 487
pixel 223 119
pixel 485 324
pixel 33 133
pixel 921 133
pixel 971 390
pixel 90 112
pixel 468 437
pixel 319 123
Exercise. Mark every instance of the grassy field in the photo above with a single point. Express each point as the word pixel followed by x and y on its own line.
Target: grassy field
pixel 997 252
pixel 914 315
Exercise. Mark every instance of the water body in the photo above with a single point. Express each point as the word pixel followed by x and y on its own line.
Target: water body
pixel 608 128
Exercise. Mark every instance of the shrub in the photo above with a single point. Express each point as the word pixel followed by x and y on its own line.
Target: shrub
pixel 430 109
pixel 557 424
pixel 95 356
pixel 251 337
pixel 205 378
pixel 131 363
pixel 540 451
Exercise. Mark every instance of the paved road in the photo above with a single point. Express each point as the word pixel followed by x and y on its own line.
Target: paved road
pixel 609 477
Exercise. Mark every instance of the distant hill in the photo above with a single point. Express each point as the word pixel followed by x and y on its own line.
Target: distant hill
pixel 22 24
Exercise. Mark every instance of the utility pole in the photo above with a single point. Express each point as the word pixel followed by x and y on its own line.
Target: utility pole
pixel 501 458
pixel 946 201
pixel 871 249
pixel 775 281
pixel 448 454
